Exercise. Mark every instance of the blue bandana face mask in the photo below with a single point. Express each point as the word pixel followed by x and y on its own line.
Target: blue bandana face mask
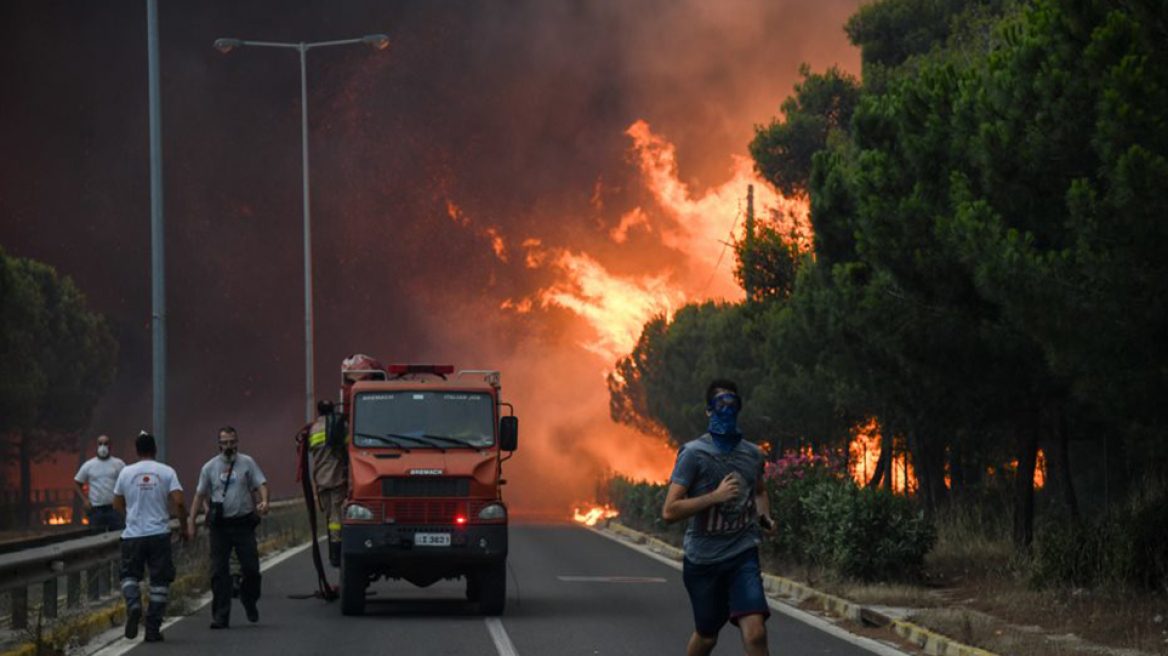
pixel 723 425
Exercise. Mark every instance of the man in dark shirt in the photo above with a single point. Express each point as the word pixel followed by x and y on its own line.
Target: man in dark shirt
pixel 717 484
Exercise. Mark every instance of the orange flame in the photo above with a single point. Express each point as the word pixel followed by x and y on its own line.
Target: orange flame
pixel 58 517
pixel 591 515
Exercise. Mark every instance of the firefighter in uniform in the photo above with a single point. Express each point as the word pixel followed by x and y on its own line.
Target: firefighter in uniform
pixel 326 443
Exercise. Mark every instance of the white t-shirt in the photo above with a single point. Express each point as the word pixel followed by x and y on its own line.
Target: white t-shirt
pixel 100 475
pixel 146 486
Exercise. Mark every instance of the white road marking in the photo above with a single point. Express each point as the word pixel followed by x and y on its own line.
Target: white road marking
pixel 499 635
pixel 784 608
pixel 113 642
pixel 611 579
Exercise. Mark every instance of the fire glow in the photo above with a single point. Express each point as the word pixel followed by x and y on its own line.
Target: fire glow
pixel 592 515
pixel 696 226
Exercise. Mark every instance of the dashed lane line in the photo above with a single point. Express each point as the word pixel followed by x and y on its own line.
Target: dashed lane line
pixel 502 641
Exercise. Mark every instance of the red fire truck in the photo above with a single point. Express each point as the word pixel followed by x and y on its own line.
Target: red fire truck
pixel 426 447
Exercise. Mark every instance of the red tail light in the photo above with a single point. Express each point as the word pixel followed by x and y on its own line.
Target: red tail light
pixel 460 520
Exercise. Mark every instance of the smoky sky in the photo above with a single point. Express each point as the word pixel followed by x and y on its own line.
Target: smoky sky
pixel 513 112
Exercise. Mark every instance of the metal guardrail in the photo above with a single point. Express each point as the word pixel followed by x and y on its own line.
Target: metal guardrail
pixel 89 566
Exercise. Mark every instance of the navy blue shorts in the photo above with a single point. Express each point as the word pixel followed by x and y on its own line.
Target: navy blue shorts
pixel 726 590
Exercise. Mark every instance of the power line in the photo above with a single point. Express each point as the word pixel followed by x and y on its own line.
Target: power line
pixel 725 245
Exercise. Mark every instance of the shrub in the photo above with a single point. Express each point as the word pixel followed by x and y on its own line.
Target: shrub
pixel 823 518
pixel 1130 548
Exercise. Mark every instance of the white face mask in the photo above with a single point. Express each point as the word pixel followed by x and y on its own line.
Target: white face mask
pixel 102 451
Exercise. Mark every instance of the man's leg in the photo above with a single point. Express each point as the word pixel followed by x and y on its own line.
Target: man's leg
pixel 754 635
pixel 131 569
pixel 749 609
pixel 700 645
pixel 707 594
pixel 220 578
pixel 249 565
pixel 161 563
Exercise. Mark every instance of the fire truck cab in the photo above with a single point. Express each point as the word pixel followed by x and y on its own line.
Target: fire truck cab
pixel 426 447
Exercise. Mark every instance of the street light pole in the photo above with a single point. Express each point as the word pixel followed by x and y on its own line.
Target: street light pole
pixel 157 241
pixel 309 351
pixel 376 41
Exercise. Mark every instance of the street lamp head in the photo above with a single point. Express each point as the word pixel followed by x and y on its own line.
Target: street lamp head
pixel 227 45
pixel 378 41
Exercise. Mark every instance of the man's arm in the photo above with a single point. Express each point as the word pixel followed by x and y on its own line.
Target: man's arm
pixel 678 507
pixel 180 511
pixel 762 502
pixel 262 506
pixel 80 487
pixel 196 505
pixel 120 503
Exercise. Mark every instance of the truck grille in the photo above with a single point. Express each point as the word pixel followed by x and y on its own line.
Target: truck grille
pixel 425 512
pixel 424 486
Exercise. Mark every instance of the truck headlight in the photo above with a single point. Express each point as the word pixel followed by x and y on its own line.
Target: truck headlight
pixel 493 512
pixel 359 513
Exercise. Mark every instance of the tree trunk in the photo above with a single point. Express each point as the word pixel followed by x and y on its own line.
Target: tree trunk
pixel 1063 464
pixel 883 464
pixel 956 472
pixel 1027 443
pixel 929 463
pixel 23 454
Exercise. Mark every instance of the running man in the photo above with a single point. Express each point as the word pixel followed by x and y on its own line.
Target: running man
pixel 717 484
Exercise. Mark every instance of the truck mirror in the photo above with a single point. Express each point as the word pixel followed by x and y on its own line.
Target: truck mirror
pixel 508 433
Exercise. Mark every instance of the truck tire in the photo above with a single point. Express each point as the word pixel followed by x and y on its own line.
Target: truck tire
pixel 492 588
pixel 473 588
pixel 353 582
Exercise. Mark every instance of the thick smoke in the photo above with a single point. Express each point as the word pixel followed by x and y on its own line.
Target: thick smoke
pixel 483 128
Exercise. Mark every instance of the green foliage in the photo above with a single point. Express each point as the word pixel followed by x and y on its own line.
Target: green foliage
pixel 864 533
pixel 823 103
pixel 640 504
pixel 663 381
pixel 771 262
pixel 56 359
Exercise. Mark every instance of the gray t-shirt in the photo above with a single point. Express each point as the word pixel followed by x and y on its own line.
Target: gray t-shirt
pixel 246 478
pixel 726 529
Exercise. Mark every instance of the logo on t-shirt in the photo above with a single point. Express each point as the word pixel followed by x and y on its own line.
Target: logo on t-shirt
pixel 146 478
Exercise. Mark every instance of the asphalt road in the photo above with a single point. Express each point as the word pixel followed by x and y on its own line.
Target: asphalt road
pixel 559 602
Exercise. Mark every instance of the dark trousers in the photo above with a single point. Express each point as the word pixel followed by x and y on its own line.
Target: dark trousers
pixel 237 534
pixel 105 518
pixel 139 556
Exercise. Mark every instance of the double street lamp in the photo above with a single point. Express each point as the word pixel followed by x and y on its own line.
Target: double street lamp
pixel 376 41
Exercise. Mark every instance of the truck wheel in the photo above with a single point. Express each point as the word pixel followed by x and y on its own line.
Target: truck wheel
pixel 473 588
pixel 353 582
pixel 492 584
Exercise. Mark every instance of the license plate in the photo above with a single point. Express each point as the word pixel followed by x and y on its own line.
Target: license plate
pixel 432 539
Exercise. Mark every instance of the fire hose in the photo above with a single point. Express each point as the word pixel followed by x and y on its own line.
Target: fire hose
pixel 325 590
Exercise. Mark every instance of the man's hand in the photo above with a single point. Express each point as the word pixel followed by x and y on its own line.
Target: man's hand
pixel 88 506
pixel 262 507
pixel 727 489
pixel 768 525
pixel 191 531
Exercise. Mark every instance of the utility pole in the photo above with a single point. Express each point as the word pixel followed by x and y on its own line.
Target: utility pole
pixel 157 254
pixel 748 251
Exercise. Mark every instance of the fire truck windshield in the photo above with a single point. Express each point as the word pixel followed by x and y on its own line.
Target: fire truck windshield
pixel 426 419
